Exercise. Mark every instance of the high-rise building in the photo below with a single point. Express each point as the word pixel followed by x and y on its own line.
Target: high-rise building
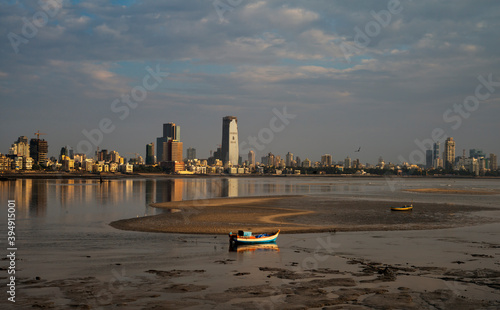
pixel 191 153
pixel 161 148
pixel 288 159
pixel 347 163
pixel 150 154
pixel 493 162
pixel 474 153
pixel 230 145
pixel 170 132
pixel 251 157
pixel 38 150
pixel 299 161
pixel 326 160
pixel 306 163
pixel 20 148
pixel 429 155
pixel 174 151
pixel 449 153
pixel 436 151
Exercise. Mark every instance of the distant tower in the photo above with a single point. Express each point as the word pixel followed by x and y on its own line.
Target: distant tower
pixel 38 150
pixel 347 163
pixel 449 153
pixel 230 146
pixel 170 132
pixel 191 153
pixel 251 157
pixel 326 160
pixel 429 159
pixel 150 154
pixel 493 162
pixel 288 159
pixel 174 151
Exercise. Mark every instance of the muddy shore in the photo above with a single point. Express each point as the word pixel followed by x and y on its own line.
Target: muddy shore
pixel 297 214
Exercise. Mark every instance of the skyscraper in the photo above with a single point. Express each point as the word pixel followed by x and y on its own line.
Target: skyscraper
pixel 429 155
pixel 150 154
pixel 38 150
pixel 191 153
pixel 449 153
pixel 230 146
pixel 170 132
pixel 326 160
pixel 251 157
pixel 174 151
pixel 288 159
pixel 347 163
pixel 493 162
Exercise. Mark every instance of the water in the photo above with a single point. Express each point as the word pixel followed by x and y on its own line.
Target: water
pixel 62 228
pixel 87 202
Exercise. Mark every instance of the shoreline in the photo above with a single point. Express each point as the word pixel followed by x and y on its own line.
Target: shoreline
pixel 109 176
pixel 299 214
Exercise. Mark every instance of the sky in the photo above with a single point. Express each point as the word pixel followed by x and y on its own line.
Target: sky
pixel 306 77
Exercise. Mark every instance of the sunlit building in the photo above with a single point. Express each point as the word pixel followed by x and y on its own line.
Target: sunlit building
pixel 449 153
pixel 230 145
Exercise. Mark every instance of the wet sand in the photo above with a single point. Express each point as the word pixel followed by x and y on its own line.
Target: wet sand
pixel 452 191
pixel 298 214
pixel 438 256
pixel 343 270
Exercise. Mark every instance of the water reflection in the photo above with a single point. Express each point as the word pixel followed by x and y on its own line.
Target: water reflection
pixel 250 249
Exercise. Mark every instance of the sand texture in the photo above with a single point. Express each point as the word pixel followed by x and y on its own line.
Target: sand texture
pixel 295 214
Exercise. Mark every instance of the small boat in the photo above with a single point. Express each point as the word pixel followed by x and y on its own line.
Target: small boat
pixel 403 208
pixel 246 237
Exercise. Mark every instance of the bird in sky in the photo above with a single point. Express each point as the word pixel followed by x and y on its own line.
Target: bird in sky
pixel 358 149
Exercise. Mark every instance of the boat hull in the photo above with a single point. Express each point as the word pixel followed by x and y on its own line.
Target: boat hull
pixel 234 238
pixel 402 208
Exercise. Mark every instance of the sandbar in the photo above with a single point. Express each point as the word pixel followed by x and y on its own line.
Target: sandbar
pixel 452 191
pixel 298 214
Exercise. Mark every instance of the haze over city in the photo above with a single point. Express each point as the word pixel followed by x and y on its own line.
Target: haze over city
pixel 375 75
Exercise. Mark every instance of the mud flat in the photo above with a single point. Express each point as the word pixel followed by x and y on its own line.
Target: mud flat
pixel 453 191
pixel 297 214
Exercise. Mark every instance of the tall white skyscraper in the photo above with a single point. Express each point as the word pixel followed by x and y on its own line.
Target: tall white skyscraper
pixel 230 145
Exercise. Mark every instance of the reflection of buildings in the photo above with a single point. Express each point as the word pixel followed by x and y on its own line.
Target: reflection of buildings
pixel 38 204
pixel 169 190
pixel 232 187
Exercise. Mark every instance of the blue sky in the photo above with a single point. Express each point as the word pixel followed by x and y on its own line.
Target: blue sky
pixel 420 61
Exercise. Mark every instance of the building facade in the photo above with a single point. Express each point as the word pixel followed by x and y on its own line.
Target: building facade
pixel 230 145
pixel 150 154
pixel 251 157
pixel 38 150
pixel 191 153
pixel 449 153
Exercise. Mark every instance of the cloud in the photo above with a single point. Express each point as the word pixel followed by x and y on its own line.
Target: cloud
pixel 266 54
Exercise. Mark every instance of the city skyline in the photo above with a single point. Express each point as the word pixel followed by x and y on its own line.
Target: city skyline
pixel 419 68
pixel 445 159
